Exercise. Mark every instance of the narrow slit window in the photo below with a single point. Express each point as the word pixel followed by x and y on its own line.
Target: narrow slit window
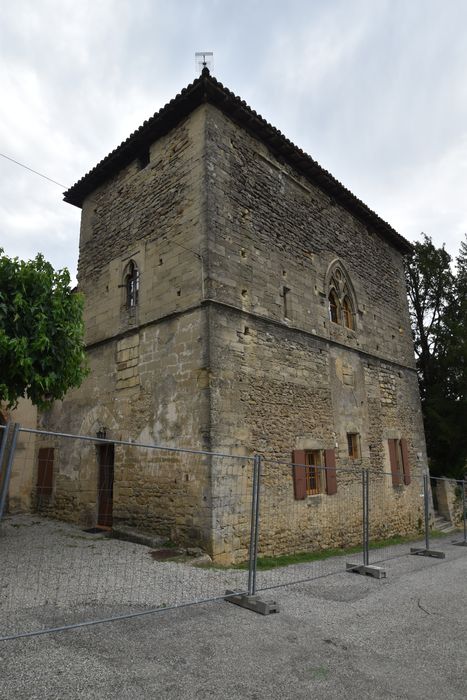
pixel 132 286
pixel 285 301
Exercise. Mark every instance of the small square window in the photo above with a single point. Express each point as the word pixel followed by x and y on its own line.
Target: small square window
pixel 353 445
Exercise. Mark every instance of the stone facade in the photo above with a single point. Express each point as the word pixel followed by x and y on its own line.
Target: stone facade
pixel 20 487
pixel 230 346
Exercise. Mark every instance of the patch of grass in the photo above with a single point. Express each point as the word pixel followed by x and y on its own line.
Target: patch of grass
pixel 89 538
pixel 441 533
pixel 320 673
pixel 272 562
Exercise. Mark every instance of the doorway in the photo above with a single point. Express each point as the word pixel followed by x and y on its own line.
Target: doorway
pixel 105 454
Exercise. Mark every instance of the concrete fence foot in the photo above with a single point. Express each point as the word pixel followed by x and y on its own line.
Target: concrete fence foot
pixel 252 602
pixel 422 552
pixel 366 570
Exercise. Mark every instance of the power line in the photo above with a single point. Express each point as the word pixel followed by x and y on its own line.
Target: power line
pixel 26 167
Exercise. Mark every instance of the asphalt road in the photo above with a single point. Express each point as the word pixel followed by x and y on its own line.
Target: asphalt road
pixel 343 636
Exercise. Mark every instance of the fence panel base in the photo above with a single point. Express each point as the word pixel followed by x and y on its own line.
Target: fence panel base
pixel 366 570
pixel 252 602
pixel 435 553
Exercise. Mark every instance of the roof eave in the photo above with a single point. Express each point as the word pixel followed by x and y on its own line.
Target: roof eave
pixel 208 89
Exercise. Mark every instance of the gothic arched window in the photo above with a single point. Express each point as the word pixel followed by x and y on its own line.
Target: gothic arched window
pixel 132 285
pixel 341 297
pixel 333 306
pixel 347 313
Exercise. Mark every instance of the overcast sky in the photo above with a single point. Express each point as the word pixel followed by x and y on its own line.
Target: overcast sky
pixel 374 90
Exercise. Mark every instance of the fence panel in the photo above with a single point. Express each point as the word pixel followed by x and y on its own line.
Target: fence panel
pixel 461 502
pixel 7 450
pixel 396 516
pixel 70 497
pixel 310 523
pixel 3 444
pixel 450 509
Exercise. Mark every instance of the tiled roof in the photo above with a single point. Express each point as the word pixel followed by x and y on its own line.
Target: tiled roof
pixel 207 89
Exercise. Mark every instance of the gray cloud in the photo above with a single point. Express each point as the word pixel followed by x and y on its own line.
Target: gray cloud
pixel 376 92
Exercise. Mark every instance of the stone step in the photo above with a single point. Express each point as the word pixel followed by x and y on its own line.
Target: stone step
pixel 442 525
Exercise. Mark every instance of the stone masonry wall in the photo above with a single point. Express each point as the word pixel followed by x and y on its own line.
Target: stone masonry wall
pixel 283 376
pixel 270 228
pixel 231 348
pixel 448 497
pixel 155 217
pixel 149 379
pixel 162 402
pixel 275 391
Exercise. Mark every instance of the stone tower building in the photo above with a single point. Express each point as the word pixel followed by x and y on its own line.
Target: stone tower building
pixel 238 299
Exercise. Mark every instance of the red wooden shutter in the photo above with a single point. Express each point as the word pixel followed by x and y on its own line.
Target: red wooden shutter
pixel 45 471
pixel 299 474
pixel 396 476
pixel 405 461
pixel 330 464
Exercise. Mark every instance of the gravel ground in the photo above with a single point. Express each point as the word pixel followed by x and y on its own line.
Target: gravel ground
pixel 343 636
pixel 54 574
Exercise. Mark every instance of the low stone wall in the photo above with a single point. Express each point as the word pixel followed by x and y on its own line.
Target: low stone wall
pixel 447 494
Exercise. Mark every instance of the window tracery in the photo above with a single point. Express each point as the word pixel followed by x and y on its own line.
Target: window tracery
pixel 341 304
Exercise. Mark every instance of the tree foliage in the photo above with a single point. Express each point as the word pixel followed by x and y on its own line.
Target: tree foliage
pixel 438 305
pixel 41 332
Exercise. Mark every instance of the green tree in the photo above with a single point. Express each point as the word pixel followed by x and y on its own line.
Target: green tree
pixel 41 332
pixel 453 367
pixel 430 285
pixel 437 299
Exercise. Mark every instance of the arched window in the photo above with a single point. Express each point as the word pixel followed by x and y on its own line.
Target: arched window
pixel 341 297
pixel 333 306
pixel 347 313
pixel 132 285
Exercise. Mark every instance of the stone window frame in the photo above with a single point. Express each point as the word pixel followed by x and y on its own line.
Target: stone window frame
pixel 340 295
pixel 354 450
pixel 131 285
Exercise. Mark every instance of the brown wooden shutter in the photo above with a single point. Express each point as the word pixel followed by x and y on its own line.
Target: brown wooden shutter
pixel 45 471
pixel 299 474
pixel 396 476
pixel 330 464
pixel 405 461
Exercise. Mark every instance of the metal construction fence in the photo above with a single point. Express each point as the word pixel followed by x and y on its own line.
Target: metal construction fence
pixel 95 529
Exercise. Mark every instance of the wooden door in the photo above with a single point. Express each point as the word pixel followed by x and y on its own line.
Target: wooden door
pixel 106 484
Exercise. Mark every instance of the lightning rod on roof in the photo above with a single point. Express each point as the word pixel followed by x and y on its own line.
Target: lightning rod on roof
pixel 203 59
